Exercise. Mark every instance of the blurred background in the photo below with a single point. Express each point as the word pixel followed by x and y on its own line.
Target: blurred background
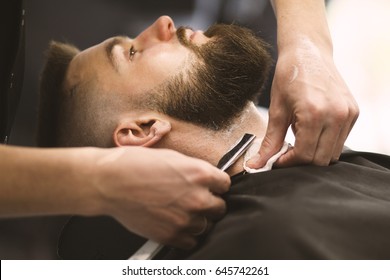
pixel 361 38
pixel 361 43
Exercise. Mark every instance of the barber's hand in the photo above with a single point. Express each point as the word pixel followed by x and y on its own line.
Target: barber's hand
pixel 161 194
pixel 309 94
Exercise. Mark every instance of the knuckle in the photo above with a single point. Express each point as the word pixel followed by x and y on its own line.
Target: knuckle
pixel 226 183
pixel 198 201
pixel 208 175
pixel 343 112
pixel 314 115
pixel 182 222
pixel 170 234
pixel 340 114
pixel 306 158
pixel 355 109
pixel 202 174
pixel 355 112
pixel 315 107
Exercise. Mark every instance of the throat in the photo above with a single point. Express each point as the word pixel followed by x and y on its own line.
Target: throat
pixel 195 141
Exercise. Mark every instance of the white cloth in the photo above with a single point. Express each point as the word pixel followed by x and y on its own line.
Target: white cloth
pixel 254 148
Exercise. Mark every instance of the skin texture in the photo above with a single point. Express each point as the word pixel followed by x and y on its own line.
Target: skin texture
pixel 308 92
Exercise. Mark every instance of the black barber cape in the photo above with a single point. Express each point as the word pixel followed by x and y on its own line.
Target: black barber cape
pixel 336 212
pixel 340 211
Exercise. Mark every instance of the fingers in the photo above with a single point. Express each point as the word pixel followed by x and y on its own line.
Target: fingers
pixel 210 177
pixel 219 182
pixel 321 142
pixel 317 103
pixel 198 224
pixel 203 202
pixel 205 209
pixel 201 225
pixel 352 118
pixel 272 142
pixel 318 149
pixel 216 209
pixel 188 239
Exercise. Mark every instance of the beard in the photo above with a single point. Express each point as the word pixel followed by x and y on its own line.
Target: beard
pixel 228 72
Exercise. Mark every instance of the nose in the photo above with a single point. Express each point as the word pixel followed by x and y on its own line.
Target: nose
pixel 163 29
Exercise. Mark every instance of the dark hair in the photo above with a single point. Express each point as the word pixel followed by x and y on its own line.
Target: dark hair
pixel 57 59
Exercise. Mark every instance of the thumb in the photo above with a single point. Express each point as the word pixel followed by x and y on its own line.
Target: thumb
pixel 272 143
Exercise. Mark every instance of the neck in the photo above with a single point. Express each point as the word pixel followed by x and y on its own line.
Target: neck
pixel 208 145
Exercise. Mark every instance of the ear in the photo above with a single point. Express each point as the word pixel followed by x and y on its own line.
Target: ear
pixel 144 132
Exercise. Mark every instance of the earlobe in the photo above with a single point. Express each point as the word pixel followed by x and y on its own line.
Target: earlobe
pixel 144 132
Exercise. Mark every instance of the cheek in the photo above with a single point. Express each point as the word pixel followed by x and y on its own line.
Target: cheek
pixel 154 67
pixel 159 65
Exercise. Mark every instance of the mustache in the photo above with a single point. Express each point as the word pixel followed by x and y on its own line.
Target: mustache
pixel 181 35
pixel 218 29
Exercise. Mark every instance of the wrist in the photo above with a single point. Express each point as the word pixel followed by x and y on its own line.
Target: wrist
pixel 303 50
pixel 90 200
pixel 302 21
pixel 302 41
pixel 107 170
pixel 72 172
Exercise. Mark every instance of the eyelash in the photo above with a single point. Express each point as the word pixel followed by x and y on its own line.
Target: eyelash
pixel 132 52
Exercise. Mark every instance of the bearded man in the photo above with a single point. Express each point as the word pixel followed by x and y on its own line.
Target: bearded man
pixel 193 92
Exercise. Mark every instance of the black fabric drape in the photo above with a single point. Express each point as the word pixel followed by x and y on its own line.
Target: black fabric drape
pixel 336 212
pixel 340 211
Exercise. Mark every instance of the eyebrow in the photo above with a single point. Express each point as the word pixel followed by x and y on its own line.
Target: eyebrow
pixel 109 47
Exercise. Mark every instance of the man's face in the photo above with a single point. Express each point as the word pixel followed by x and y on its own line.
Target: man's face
pixel 125 65
pixel 205 78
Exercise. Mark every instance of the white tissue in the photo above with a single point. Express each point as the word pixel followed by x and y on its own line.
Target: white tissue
pixel 254 148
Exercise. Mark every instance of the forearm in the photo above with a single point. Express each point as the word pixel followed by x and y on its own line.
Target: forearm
pixel 44 182
pixel 300 20
pixel 159 194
